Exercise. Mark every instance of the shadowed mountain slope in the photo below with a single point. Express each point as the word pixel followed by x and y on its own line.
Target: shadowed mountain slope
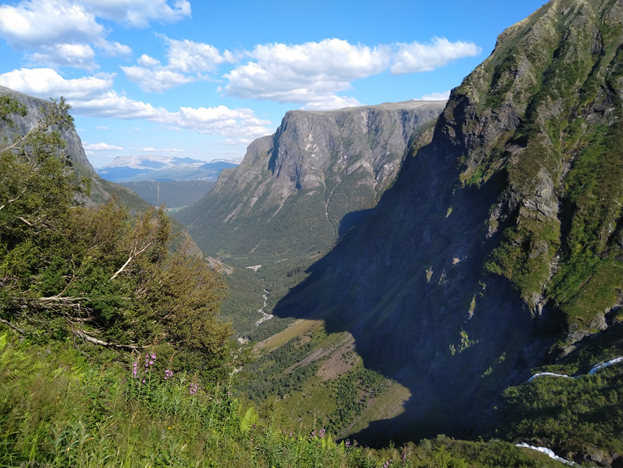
pixel 500 238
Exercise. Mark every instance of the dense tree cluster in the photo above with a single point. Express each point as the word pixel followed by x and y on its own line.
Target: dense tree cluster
pixel 98 275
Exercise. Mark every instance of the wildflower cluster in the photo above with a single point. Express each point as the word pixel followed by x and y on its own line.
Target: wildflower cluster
pixel 388 462
pixel 193 388
pixel 167 373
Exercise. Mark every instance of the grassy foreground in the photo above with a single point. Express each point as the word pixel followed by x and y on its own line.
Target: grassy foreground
pixel 59 409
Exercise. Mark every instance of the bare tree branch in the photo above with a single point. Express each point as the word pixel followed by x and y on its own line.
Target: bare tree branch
pixel 25 221
pixel 132 256
pixel 93 340
pixel 9 324
pixel 13 199
pixel 63 299
pixel 22 139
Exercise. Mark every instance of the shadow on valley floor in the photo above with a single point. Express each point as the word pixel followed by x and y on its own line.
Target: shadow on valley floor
pixel 408 283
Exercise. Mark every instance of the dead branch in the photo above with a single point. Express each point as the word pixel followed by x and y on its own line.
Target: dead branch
pixel 9 324
pixel 21 140
pixel 13 199
pixel 93 340
pixel 132 256
pixel 69 300
pixel 25 221
pixel 81 319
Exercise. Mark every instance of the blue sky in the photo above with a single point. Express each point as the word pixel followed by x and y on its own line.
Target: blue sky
pixel 201 79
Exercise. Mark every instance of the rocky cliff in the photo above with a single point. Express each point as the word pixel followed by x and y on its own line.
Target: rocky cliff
pixel 298 190
pixel 101 190
pixel 501 237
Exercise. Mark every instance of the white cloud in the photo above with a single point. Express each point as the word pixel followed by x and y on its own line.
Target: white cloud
pixel 100 147
pixel 36 23
pixel 156 81
pixel 314 73
pixel 101 127
pixel 332 102
pixel 64 33
pixel 444 96
pixel 64 55
pixel 307 73
pixel 139 13
pixel 150 149
pixel 187 60
pixel 416 57
pixel 147 61
pixel 45 82
pixel 94 96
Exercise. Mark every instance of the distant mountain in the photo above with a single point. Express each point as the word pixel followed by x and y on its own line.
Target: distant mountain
pixel 162 168
pixel 297 191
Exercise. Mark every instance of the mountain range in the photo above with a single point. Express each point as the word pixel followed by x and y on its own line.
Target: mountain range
pixel 140 168
pixel 486 245
pixel 420 268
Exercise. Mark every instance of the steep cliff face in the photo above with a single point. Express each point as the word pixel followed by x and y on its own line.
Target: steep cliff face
pixel 298 190
pixel 101 190
pixel 500 236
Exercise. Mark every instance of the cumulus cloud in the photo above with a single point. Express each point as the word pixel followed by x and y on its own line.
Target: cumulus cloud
pixel 314 73
pixel 139 13
pixel 416 57
pixel 156 80
pixel 61 33
pixel 187 62
pixel 443 96
pixel 308 73
pixel 89 147
pixel 332 102
pixel 94 96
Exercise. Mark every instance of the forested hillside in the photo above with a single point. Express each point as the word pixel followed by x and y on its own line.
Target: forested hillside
pixel 110 350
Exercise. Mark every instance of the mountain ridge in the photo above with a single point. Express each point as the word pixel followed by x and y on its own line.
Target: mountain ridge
pixel 297 191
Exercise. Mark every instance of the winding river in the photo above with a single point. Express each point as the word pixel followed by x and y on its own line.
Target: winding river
pixel 265 316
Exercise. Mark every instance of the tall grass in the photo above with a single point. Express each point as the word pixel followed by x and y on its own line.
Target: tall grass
pixel 58 409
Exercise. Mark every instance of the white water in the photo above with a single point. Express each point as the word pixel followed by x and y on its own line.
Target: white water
pixel 595 368
pixel 265 316
pixel 547 452
pixel 548 373
pixel 605 364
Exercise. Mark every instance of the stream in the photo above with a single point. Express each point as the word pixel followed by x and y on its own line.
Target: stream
pixel 265 316
pixel 547 452
pixel 593 370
